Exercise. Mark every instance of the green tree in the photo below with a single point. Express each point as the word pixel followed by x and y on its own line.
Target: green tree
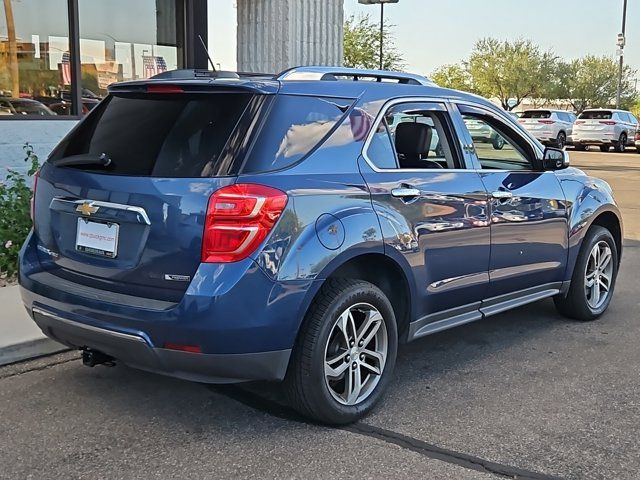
pixel 454 76
pixel 362 45
pixel 593 82
pixel 510 70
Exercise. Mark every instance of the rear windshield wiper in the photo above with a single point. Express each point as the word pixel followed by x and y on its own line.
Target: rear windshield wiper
pixel 82 159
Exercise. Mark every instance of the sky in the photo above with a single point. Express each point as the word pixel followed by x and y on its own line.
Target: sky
pixel 431 33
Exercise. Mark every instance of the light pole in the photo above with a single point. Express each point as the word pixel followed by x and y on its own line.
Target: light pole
pixel 621 43
pixel 381 2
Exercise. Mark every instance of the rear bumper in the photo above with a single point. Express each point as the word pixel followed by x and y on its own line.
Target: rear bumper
pixel 244 322
pixel 135 351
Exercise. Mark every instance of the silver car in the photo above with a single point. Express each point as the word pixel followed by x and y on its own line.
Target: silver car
pixel 605 128
pixel 551 127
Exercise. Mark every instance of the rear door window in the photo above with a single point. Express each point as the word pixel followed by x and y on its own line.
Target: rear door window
pixel 159 135
pixel 294 127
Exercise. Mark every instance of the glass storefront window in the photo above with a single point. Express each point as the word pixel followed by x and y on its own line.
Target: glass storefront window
pixel 125 40
pixel 34 57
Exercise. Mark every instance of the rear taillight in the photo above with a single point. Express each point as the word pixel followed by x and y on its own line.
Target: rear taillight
pixel 608 122
pixel 579 122
pixel 547 122
pixel 239 217
pixel 33 196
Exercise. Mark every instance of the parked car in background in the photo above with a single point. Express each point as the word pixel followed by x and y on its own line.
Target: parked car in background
pixel 605 128
pixel 551 127
pixel 23 106
pixel 63 107
pixel 223 228
pixel 481 132
pixel 638 138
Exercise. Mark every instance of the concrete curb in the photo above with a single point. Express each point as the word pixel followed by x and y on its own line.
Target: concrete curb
pixel 20 337
pixel 30 349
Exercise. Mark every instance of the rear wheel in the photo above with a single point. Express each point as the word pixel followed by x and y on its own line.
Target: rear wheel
pixel 580 148
pixel 622 143
pixel 604 148
pixel 594 277
pixel 561 140
pixel 345 353
pixel 498 143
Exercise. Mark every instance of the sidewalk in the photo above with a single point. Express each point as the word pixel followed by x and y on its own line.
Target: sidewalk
pixel 20 338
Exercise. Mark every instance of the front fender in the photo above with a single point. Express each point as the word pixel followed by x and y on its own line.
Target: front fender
pixel 588 198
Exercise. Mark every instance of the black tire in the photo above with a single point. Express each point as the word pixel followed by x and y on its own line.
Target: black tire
pixel 305 383
pixel 561 140
pixel 580 148
pixel 637 149
pixel 604 148
pixel 622 143
pixel 498 143
pixel 575 305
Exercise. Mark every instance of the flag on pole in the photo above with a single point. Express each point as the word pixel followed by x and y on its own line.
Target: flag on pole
pixel 66 68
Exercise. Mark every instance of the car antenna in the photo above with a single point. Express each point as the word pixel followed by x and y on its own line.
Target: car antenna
pixel 207 52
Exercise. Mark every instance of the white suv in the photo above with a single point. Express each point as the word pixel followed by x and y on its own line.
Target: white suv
pixel 605 128
pixel 551 127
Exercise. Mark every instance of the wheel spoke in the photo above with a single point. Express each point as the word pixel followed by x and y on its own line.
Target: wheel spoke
pixel 343 326
pixel 590 279
pixel 377 357
pixel 604 283
pixel 605 258
pixel 369 327
pixel 335 367
pixel 595 253
pixel 595 294
pixel 353 386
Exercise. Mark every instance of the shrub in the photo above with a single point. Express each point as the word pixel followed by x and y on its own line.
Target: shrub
pixel 15 218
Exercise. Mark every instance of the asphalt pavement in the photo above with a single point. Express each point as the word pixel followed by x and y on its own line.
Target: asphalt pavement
pixel 525 394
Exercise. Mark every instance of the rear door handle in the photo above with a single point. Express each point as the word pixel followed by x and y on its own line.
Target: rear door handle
pixel 405 192
pixel 502 195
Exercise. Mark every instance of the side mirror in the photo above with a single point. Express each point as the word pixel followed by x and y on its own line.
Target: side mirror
pixel 555 159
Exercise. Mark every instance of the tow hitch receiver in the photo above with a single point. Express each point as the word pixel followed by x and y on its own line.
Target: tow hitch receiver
pixel 91 358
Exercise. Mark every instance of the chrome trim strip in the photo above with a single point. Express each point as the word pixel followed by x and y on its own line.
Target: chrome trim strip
pixel 115 206
pixel 91 328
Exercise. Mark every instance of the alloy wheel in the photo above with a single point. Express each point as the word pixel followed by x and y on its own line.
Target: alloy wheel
pixel 355 354
pixel 599 275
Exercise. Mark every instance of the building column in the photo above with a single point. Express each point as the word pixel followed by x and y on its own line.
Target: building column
pixel 274 35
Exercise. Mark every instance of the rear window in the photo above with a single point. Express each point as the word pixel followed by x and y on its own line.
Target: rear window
pixel 180 135
pixel 536 114
pixel 596 115
pixel 295 126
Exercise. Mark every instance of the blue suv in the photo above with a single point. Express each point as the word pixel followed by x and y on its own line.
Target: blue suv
pixel 225 228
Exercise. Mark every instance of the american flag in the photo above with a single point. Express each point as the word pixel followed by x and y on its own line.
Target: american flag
pixel 66 68
pixel 153 65
pixel 360 124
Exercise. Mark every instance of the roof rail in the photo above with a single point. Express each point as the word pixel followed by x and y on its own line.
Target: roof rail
pixel 332 74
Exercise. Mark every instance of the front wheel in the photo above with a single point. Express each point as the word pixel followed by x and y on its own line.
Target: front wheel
pixel 622 143
pixel 345 353
pixel 594 277
pixel 580 148
pixel 561 140
pixel 604 148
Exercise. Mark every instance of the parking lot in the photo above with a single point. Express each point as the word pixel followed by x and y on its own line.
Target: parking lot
pixel 526 394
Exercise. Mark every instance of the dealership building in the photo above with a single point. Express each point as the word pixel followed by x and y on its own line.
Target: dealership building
pixel 57 57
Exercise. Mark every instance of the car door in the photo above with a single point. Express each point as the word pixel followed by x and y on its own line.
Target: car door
pixel 527 210
pixel 432 210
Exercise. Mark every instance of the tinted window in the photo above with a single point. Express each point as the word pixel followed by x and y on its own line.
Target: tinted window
pixel 294 127
pixel 181 135
pixel 381 151
pixel 596 115
pixel 412 136
pixel 536 114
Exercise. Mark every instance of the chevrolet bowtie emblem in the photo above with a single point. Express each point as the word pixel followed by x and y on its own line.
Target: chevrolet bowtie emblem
pixel 87 208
